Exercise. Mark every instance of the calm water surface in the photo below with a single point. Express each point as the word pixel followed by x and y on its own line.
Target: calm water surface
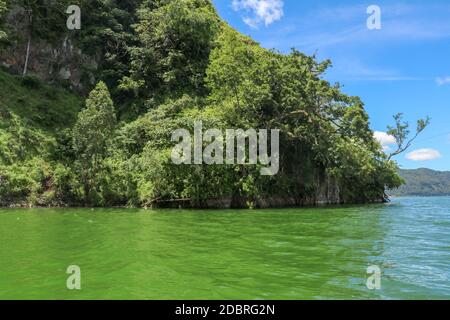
pixel 260 254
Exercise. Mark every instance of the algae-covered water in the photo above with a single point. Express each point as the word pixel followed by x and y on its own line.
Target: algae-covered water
pixel 320 253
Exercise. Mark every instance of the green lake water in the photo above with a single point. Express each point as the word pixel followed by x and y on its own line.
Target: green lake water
pixel 261 254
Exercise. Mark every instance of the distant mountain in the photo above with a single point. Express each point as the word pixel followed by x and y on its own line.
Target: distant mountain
pixel 424 182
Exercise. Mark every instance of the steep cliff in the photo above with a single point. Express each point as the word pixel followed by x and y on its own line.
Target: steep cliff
pixel 56 59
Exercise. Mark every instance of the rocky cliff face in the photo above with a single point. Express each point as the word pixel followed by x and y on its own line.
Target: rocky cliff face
pixel 327 193
pixel 56 60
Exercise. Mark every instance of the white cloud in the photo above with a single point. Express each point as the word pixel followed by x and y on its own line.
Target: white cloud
pixel 442 81
pixel 262 11
pixel 423 155
pixel 384 139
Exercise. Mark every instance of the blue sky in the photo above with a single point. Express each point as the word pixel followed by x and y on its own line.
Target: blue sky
pixel 402 67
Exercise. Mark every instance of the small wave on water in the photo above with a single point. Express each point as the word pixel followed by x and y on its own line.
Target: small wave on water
pixel 320 253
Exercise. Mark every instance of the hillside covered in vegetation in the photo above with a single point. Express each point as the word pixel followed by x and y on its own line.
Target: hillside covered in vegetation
pixel 424 183
pixel 86 116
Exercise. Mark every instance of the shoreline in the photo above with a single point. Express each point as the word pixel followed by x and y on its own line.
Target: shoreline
pixel 219 208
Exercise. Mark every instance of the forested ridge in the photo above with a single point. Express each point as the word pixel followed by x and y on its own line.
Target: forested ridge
pixel 424 182
pixel 86 116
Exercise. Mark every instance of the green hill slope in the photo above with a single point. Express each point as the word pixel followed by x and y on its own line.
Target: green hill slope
pixel 424 182
pixel 33 117
pixel 39 106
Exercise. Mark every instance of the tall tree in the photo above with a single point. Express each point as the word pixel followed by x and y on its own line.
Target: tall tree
pixel 91 136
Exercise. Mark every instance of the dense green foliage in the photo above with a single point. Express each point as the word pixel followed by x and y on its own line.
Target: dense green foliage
pixel 163 65
pixel 33 117
pixel 424 182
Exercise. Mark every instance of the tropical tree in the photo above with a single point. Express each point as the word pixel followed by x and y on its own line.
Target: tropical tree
pixel 91 136
pixel 175 40
pixel 323 131
pixel 401 132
